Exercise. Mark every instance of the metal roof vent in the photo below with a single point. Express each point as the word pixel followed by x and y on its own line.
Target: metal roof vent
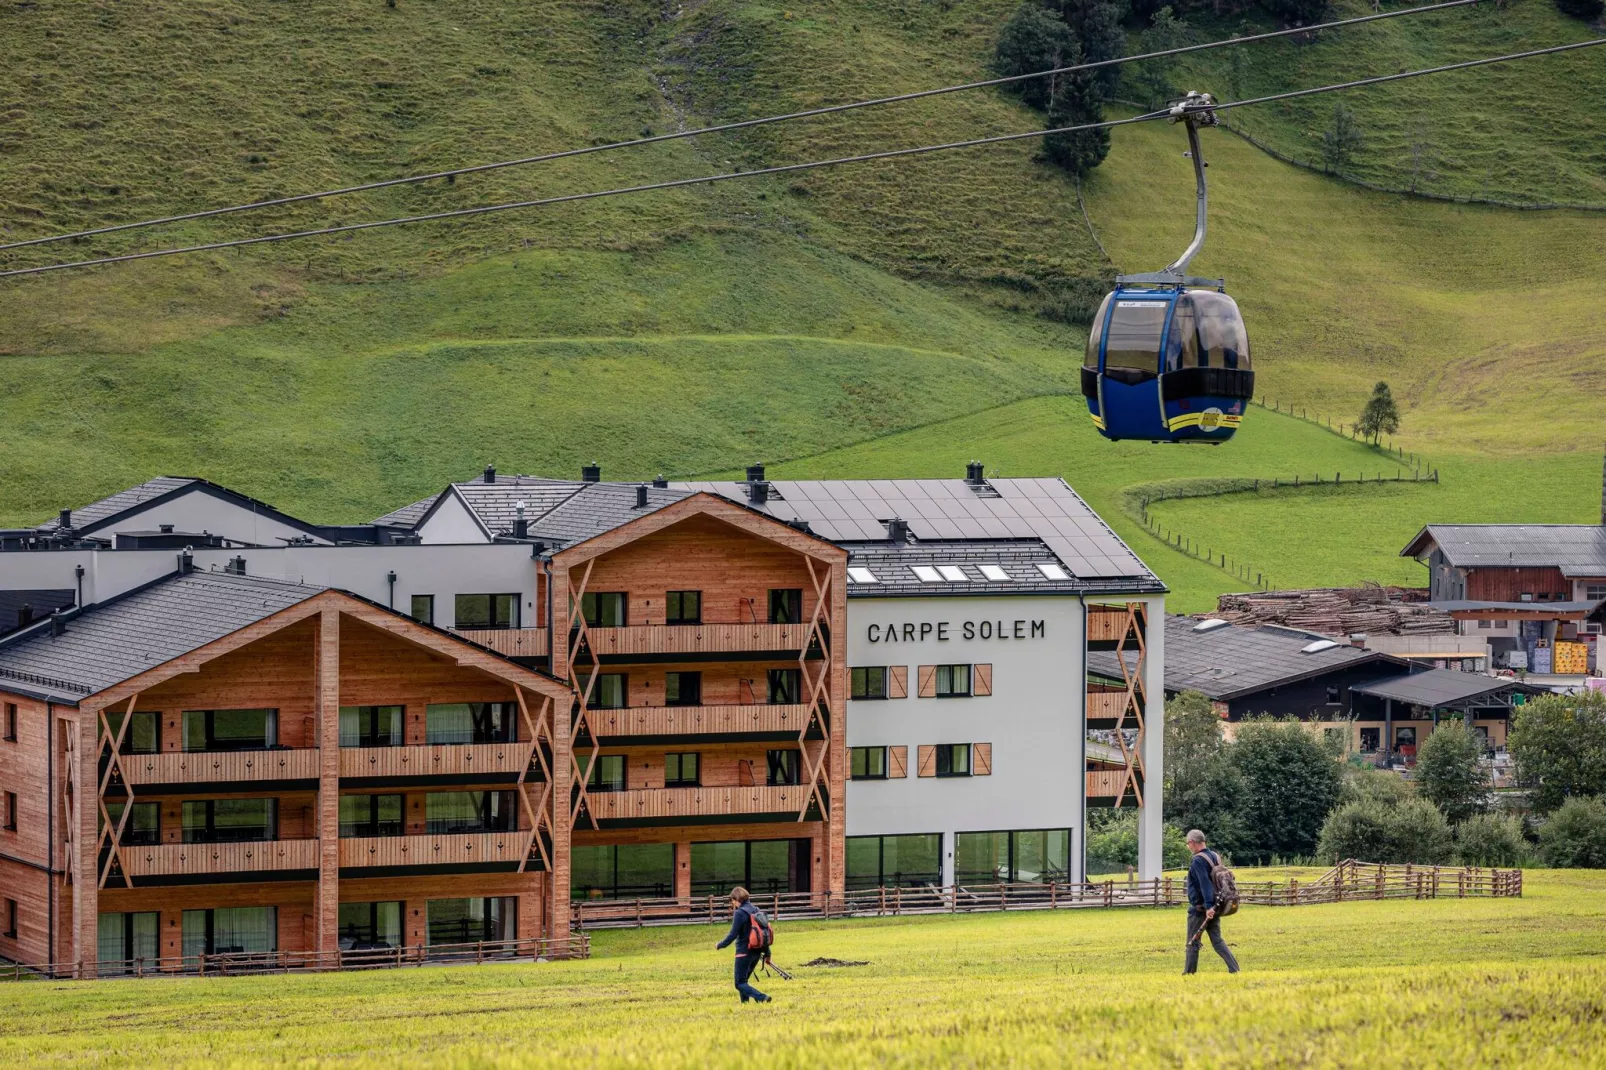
pixel 165 529
pixel 591 473
pixel 1318 646
pixel 235 567
pixel 641 496
pixel 65 520
pixel 898 529
pixel 975 473
pixel 490 473
pixel 24 615
pixel 1210 625
pixel 758 491
pixel 521 526
pixel 660 481
pixel 755 473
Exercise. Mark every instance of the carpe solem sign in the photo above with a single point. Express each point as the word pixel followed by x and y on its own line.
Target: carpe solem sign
pixel 943 630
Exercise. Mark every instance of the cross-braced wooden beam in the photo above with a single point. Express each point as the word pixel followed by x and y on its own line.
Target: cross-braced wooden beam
pixel 816 691
pixel 114 767
pixel 1132 701
pixel 582 720
pixel 538 812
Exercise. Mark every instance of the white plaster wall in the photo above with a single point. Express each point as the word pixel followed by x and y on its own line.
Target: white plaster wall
pixel 198 511
pixel 452 523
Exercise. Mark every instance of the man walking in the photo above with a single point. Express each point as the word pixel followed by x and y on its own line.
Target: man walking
pixel 1202 907
pixel 747 959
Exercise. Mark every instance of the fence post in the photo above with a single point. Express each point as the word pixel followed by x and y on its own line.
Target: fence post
pixel 1053 900
pixel 638 912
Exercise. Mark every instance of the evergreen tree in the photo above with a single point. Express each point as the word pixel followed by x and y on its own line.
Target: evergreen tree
pixel 1034 39
pixel 1076 102
pixel 1096 26
pixel 1153 77
pixel 1342 140
pixel 1381 416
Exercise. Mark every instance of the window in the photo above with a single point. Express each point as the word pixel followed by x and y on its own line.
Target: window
pixel 1484 622
pixel 1593 592
pixel 1029 857
pixel 763 867
pixel 1405 738
pixel 123 938
pixel 230 730
pixel 486 611
pixel 605 609
pixel 371 726
pixel 1134 331
pixel 867 763
pixel 786 606
pixel 684 607
pixel 785 687
pixel 1334 696
pixel 144 733
pixel 859 574
pixel 926 574
pixel 681 770
pixel 994 573
pixel 11 722
pixel 894 861
pixel 1371 740
pixel 144 826
pixel 953 573
pixel 869 682
pixel 370 815
pixel 470 722
pixel 953 759
pixel 608 774
pixel 683 688
pixel 626 871
pixel 11 812
pixel 784 767
pixel 469 921
pixel 1053 572
pixel 448 812
pixel 230 820
pixel 370 926
pixel 230 931
pixel 610 692
pixel 424 608
pixel 953 681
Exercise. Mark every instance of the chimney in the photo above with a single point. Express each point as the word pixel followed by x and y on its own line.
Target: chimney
pixel 165 529
pixel 186 561
pixel 755 473
pixel 66 520
pixel 236 566
pixel 660 480
pixel 758 491
pixel 898 530
pixel 24 615
pixel 975 473
pixel 58 623
pixel 591 473
pixel 521 526
pixel 490 473
pixel 641 496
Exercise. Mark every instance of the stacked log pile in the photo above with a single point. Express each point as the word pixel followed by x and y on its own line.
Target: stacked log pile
pixel 1339 611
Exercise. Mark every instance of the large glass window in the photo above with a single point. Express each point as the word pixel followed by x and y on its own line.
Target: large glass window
pixel 1182 342
pixel 144 734
pixel 122 937
pixel 867 763
pixel 785 686
pixel 605 609
pixel 785 767
pixel 626 871
pixel 144 824
pixel 470 722
pixel 894 861
pixel 953 759
pixel 231 930
pixel 684 607
pixel 786 606
pixel 683 688
pixel 682 770
pixel 608 774
pixel 371 726
pixel 468 921
pixel 370 926
pixel 869 682
pixel 1134 336
pixel 1034 856
pixel 1095 335
pixel 486 611
pixel 370 815
pixel 230 820
pixel 1222 339
pixel 760 866
pixel 610 692
pixel 230 730
pixel 953 681
pixel 470 811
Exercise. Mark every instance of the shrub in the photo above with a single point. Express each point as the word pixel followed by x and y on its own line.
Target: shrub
pixel 1368 784
pixel 1588 10
pixel 1372 831
pixel 1575 835
pixel 1112 844
pixel 1490 840
pixel 1450 771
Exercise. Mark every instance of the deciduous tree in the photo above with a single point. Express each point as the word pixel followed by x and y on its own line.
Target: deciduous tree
pixel 1450 771
pixel 1381 416
pixel 1559 743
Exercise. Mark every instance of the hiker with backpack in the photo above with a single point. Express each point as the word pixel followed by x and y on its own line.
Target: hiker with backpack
pixel 1212 895
pixel 752 935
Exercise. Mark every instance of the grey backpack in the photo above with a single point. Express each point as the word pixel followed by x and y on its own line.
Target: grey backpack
pixel 1226 887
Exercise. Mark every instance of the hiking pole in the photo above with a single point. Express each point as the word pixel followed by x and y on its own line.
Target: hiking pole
pixel 769 965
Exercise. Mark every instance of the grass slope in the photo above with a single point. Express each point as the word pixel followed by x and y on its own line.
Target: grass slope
pixel 1441 983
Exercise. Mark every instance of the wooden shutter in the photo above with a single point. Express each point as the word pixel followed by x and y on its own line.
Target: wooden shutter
pixel 928 681
pixel 981 679
pixel 981 759
pixel 897 762
pixel 928 760
pixel 898 681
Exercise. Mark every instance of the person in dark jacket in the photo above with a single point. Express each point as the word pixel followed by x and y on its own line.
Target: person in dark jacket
pixel 1202 907
pixel 746 960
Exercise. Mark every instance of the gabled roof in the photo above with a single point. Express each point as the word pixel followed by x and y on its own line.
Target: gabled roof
pixel 1229 661
pixel 128 503
pixel 1576 549
pixel 597 508
pixel 1442 687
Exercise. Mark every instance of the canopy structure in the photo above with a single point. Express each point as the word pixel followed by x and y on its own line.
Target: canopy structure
pixel 1449 690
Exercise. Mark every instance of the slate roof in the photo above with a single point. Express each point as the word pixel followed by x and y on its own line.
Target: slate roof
pixel 1441 687
pixel 150 625
pixel 892 565
pixel 1231 661
pixel 42 602
pixel 1576 549
pixel 408 515
pixel 122 501
pixel 597 508
pixel 1564 608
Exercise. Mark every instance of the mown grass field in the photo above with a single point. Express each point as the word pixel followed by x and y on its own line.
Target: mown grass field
pixel 1443 983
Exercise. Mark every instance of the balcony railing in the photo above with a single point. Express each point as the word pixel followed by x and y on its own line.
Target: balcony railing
pixel 1106 624
pixel 191 859
pixel 439 759
pixel 1105 783
pixel 454 849
pixel 670 805
pixel 1105 705
pixel 663 721
pixel 514 642
pixel 697 639
pixel 194 767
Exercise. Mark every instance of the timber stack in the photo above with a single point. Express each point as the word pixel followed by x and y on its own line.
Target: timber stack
pixel 1339 611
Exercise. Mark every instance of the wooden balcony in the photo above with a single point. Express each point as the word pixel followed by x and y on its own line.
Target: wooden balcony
pixel 465 849
pixel 1106 706
pixel 199 859
pixel 697 640
pixel 1104 783
pixel 463 763
pixel 215 767
pixel 752 721
pixel 514 642
pixel 1106 624
pixel 691 806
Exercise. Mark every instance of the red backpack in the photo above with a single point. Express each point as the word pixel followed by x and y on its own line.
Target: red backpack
pixel 760 933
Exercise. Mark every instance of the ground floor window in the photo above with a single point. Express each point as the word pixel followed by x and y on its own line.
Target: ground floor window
pixel 1032 856
pixel 467 921
pixel 625 871
pixel 123 937
pixel 366 926
pixel 760 866
pixel 230 930
pixel 1371 740
pixel 894 861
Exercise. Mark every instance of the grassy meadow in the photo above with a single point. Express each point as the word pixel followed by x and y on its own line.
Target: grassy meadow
pixel 1440 983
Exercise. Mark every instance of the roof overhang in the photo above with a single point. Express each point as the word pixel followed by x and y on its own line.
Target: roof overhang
pixel 702 503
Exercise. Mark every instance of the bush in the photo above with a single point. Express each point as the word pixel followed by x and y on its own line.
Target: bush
pixel 1367 784
pixel 1450 771
pixel 1588 10
pixel 1413 831
pixel 1112 844
pixel 1575 835
pixel 1288 784
pixel 1491 840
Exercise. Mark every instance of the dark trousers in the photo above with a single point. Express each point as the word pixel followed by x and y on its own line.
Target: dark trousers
pixel 745 965
pixel 1196 920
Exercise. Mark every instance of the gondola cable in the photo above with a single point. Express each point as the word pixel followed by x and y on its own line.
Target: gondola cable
pixel 298 198
pixel 459 213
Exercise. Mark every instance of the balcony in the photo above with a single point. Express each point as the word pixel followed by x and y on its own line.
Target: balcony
pixel 179 769
pixel 1107 626
pixel 513 642
pixel 184 860
pixel 1104 786
pixel 464 851
pixel 465 763
pixel 699 642
pixel 694 806
pixel 1106 706
pixel 712 724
